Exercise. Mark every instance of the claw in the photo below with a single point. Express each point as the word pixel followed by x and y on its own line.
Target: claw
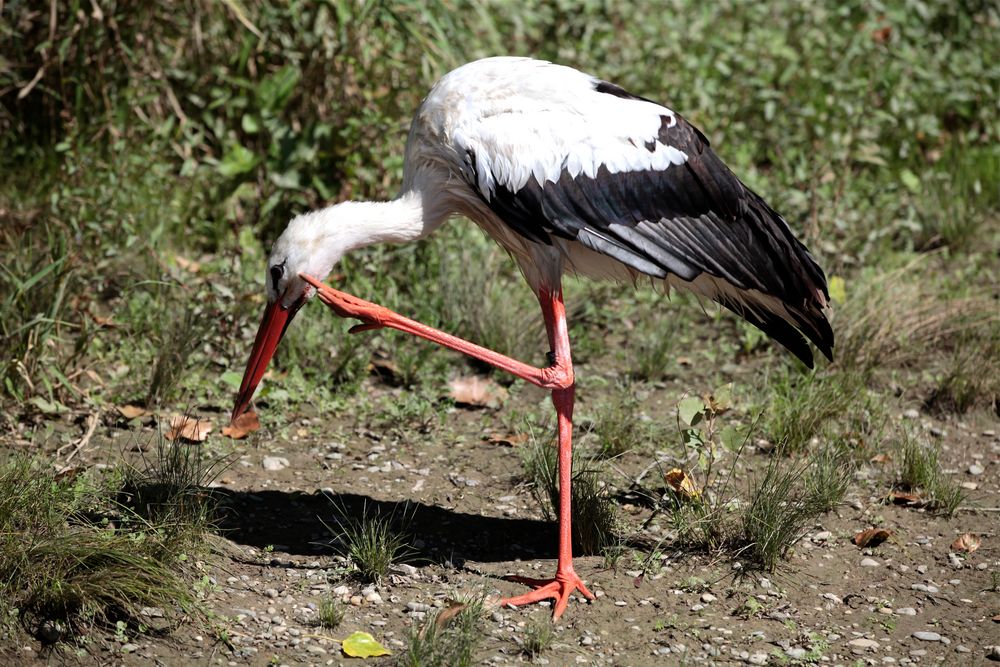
pixel 559 588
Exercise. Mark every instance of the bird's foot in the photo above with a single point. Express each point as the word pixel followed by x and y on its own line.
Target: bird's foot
pixel 559 588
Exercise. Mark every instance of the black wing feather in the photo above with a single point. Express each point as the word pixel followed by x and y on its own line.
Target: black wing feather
pixel 687 220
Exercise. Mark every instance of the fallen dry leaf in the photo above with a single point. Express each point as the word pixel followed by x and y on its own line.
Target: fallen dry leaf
pixel 881 458
pixel 871 537
pixel 967 542
pixel 511 440
pixel 682 484
pixel 187 264
pixel 130 411
pixel 476 392
pixel 103 322
pixel 242 426
pixel 906 499
pixel 445 617
pixel 188 428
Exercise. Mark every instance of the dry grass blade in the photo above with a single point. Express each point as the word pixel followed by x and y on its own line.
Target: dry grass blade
pixel 891 320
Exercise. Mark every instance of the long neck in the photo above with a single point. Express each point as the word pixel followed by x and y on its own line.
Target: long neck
pixel 315 241
pixel 360 224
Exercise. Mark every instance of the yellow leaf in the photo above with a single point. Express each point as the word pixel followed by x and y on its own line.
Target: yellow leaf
pixel 362 645
pixel 682 484
pixel 838 289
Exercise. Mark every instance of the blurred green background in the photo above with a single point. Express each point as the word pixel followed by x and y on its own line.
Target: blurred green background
pixel 150 152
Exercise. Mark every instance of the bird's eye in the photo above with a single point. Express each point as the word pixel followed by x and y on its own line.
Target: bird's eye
pixel 276 272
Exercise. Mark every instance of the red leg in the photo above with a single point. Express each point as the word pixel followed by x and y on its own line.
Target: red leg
pixel 558 377
pixel 566 580
pixel 373 316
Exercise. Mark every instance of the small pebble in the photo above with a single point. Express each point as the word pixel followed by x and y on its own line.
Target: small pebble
pixel 862 643
pixel 708 597
pixel 274 463
pixel 926 636
pixel 906 611
pixel 869 562
pixel 976 469
pixel 757 659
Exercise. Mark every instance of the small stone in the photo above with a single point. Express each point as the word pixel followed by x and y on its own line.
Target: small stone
pixel 271 592
pixel 976 469
pixel 926 636
pixel 822 536
pixel 911 414
pixel 922 569
pixel 993 653
pixel 621 603
pixel 869 562
pixel 906 611
pixel 757 659
pixel 274 463
pixel 356 600
pixel 961 648
pixel 586 640
pixel 130 648
pixel 316 649
pixel 862 643
pixel 796 653
pixel 833 597
pixel 708 597
pixel 373 598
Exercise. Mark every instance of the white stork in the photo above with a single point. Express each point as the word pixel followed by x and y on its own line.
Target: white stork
pixel 568 173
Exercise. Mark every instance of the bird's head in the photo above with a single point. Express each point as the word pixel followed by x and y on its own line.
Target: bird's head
pixel 305 248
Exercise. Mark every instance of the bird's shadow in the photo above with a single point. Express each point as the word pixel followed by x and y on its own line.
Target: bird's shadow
pixel 304 524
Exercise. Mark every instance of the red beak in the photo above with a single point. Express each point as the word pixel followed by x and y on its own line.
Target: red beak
pixel 272 328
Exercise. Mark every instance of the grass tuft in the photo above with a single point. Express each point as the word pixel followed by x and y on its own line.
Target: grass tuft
pixel 920 472
pixel 803 404
pixel 595 519
pixel 776 515
pixel 331 613
pixel 618 426
pixel 451 643
pixel 372 542
pixel 538 637
pixel 71 556
pixel 830 472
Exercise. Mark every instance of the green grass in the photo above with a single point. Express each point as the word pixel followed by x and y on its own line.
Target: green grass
pixel 618 425
pixel 776 514
pixel 373 541
pixel 919 471
pixel 331 614
pixel 538 638
pixel 78 551
pixel 446 643
pixel 594 514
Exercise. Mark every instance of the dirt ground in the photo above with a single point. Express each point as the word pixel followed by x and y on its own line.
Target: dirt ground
pixel 909 601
